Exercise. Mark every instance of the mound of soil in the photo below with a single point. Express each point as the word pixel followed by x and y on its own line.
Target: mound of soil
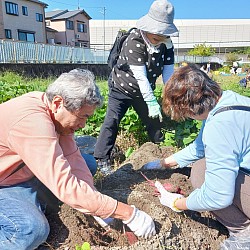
pixel 185 230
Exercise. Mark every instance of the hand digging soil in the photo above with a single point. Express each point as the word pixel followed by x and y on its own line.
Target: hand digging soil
pixel 185 230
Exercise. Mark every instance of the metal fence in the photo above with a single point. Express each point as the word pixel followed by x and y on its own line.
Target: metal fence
pixel 27 52
pixel 199 59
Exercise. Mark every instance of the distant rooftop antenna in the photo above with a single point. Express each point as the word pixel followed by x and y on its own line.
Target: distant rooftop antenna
pixel 78 4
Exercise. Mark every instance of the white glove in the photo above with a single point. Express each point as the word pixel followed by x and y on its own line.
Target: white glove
pixel 153 165
pixel 141 224
pixel 105 223
pixel 168 199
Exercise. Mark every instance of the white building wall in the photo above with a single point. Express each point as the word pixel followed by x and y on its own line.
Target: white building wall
pixel 219 33
pixel 60 36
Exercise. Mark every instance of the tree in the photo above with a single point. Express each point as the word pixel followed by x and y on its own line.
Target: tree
pixel 232 57
pixel 201 50
pixel 244 50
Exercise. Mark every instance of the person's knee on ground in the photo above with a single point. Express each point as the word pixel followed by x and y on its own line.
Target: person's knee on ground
pixel 231 217
pixel 236 217
pixel 28 233
pixel 39 230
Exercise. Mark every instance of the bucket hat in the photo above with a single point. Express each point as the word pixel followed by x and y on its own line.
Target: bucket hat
pixel 159 19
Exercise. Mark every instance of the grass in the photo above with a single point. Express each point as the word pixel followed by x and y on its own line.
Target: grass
pixel 231 83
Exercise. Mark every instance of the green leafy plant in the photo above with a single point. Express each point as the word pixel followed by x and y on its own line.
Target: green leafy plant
pixel 177 134
pixel 84 246
pixel 180 134
pixel 129 152
pixel 13 85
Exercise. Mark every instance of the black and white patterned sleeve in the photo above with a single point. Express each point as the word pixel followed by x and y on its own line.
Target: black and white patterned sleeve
pixel 134 51
pixel 169 55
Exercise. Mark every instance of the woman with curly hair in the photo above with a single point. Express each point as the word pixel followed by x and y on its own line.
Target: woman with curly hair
pixel 220 155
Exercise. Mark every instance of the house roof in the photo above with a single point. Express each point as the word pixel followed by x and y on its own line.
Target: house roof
pixel 51 30
pixel 39 2
pixel 64 14
pixel 53 14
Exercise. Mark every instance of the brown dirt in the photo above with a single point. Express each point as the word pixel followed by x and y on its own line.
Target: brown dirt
pixel 185 230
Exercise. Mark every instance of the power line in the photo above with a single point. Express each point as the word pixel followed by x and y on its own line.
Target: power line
pixel 77 5
pixel 61 3
pixel 73 5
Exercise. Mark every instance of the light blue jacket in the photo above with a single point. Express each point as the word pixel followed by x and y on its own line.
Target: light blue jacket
pixel 224 140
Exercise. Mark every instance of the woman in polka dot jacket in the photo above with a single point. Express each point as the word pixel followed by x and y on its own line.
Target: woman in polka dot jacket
pixel 146 54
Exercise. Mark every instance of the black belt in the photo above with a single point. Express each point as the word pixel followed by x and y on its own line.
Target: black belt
pixel 245 171
pixel 234 107
pixel 18 168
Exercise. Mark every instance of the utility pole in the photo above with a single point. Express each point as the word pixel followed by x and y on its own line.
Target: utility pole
pixel 178 48
pixel 104 27
pixel 104 38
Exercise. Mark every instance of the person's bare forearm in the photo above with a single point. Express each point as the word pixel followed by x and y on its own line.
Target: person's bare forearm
pixel 181 204
pixel 123 211
pixel 168 162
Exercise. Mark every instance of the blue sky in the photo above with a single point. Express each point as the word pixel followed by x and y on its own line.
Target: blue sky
pixel 134 9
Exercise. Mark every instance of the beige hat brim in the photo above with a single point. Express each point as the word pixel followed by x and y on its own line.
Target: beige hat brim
pixel 148 24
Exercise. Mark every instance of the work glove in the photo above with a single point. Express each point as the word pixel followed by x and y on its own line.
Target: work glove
pixel 141 224
pixel 154 109
pixel 166 198
pixel 105 223
pixel 153 165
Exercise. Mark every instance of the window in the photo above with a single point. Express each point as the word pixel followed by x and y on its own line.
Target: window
pixel 25 10
pixel 39 17
pixel 8 34
pixel 81 27
pixel 77 44
pixel 69 25
pixel 26 36
pixel 11 8
pixel 81 44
